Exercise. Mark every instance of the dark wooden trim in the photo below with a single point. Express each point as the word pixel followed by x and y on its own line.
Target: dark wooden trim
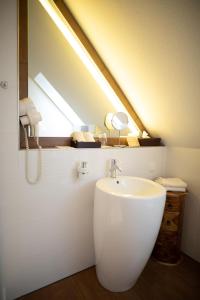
pixel 45 142
pixel 52 142
pixel 98 61
pixel 150 142
pixel 23 48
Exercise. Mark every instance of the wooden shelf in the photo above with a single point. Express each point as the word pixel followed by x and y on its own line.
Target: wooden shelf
pixel 53 142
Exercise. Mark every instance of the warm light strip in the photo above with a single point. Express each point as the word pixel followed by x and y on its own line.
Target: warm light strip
pixel 75 43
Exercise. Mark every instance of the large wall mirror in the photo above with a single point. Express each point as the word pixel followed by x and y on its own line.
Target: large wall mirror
pixel 58 82
pixel 62 89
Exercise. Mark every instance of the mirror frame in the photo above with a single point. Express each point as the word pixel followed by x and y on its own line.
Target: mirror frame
pixel 23 65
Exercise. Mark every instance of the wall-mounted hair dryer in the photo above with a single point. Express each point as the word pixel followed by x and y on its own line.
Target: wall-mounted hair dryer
pixel 29 118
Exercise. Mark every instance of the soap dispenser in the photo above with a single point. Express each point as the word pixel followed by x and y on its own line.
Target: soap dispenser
pixel 83 169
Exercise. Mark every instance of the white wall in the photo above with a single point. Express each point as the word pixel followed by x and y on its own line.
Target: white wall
pixel 47 230
pixel 8 119
pixel 185 163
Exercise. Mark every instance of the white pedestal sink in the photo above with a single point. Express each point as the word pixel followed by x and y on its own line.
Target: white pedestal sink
pixel 127 217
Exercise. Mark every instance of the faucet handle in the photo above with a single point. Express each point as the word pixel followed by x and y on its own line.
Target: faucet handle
pixel 114 168
pixel 119 169
pixel 84 164
pixel 113 161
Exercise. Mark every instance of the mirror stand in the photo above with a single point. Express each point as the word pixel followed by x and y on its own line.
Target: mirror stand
pixel 119 122
pixel 119 137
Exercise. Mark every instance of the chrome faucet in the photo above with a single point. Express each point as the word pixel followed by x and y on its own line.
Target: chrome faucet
pixel 114 168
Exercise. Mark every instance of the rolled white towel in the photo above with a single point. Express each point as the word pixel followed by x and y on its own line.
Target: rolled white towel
pixel 171 182
pixel 24 120
pixel 25 105
pixel 88 136
pixel 34 116
pixel 78 136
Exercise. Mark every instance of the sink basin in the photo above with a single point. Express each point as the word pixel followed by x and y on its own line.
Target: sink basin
pixel 127 217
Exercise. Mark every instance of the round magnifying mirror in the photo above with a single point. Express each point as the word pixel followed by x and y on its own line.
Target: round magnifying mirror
pixel 119 121
pixel 108 121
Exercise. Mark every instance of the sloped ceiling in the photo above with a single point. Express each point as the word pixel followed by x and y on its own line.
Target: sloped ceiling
pixel 153 50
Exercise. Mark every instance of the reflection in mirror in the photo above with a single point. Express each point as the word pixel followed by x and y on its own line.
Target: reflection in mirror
pixel 59 84
pixel 120 121
pixel 108 121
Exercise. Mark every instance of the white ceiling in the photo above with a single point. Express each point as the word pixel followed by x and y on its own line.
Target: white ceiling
pixel 153 50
